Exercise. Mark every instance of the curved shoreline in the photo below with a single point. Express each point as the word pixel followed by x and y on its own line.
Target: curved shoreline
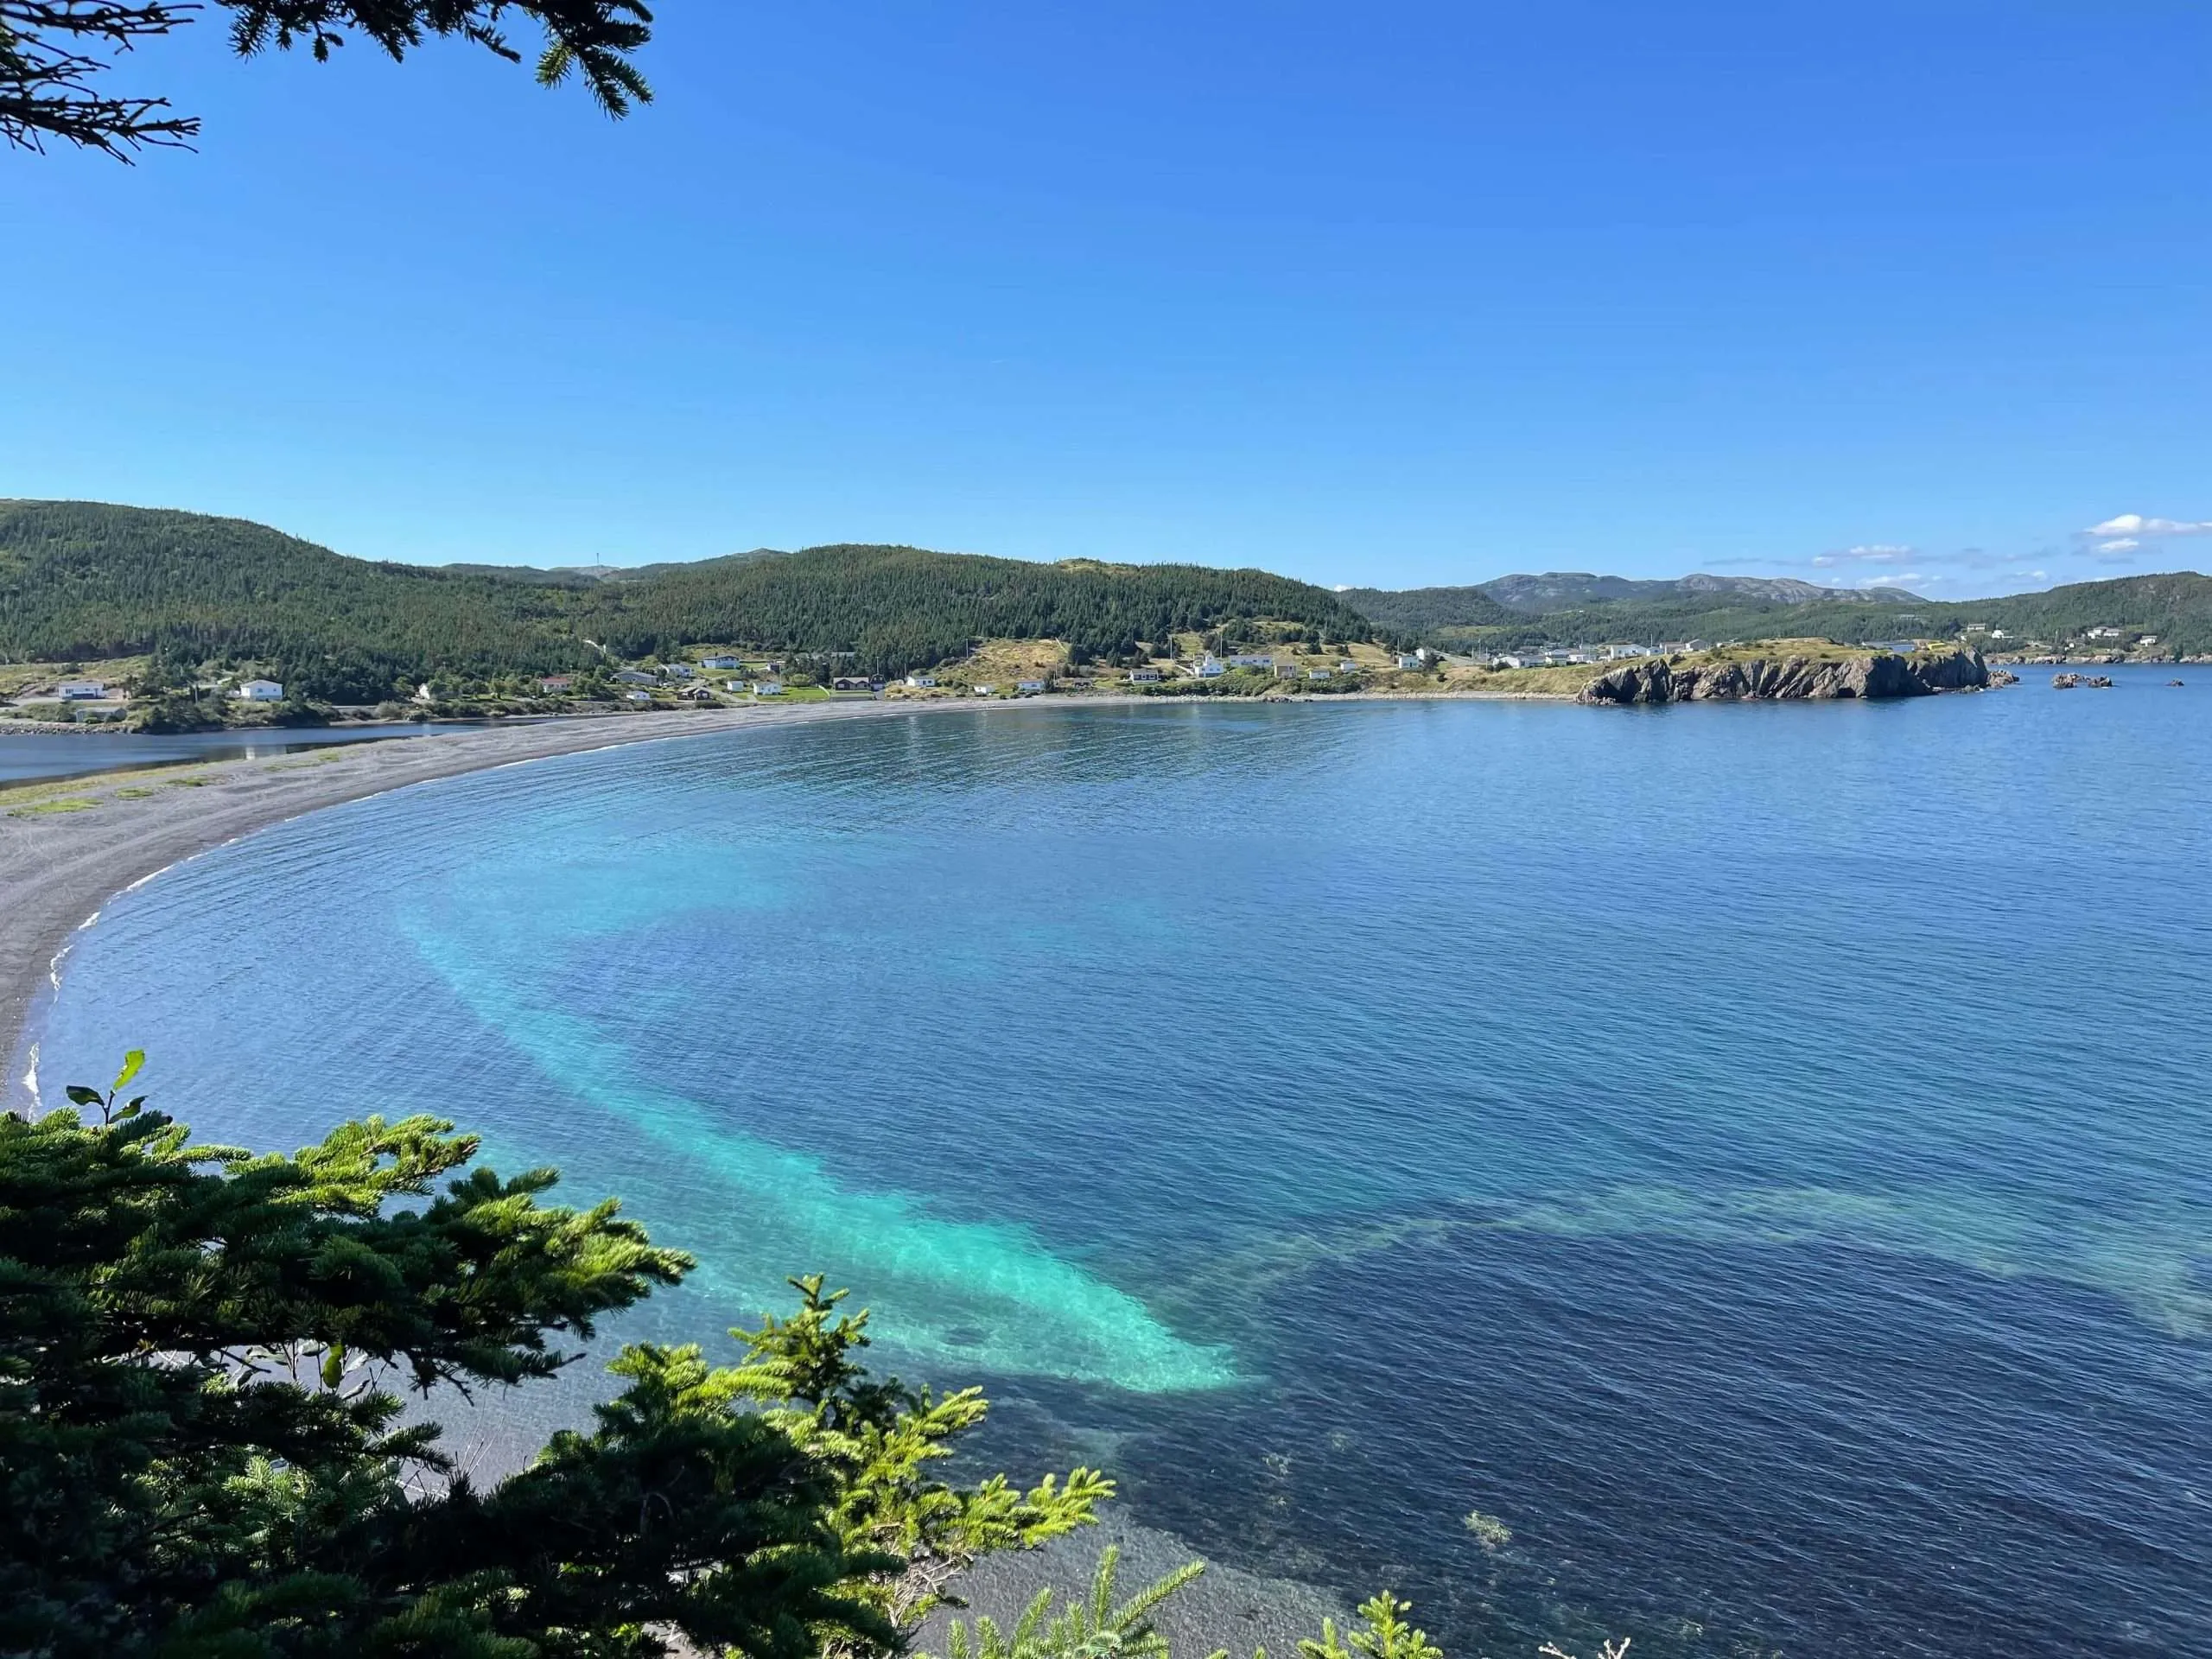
pixel 60 870
pixel 58 873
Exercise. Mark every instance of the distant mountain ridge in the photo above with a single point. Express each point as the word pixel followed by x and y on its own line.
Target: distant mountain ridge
pixel 1560 590
pixel 2174 610
pixel 1496 601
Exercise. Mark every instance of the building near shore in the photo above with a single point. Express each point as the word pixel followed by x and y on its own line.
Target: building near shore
pixel 261 692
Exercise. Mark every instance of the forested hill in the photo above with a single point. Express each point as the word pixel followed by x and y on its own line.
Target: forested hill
pixel 901 605
pixel 83 580
pixel 1423 610
pixel 1506 601
pixel 2175 607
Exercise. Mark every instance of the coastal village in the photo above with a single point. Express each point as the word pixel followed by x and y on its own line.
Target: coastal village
pixel 115 695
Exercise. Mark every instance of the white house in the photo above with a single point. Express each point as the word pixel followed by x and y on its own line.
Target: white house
pixel 984 690
pixel 2146 639
pixel 1144 676
pixel 721 660
pixel 639 697
pixel 1410 660
pixel 922 682
pixel 2104 633
pixel 1317 674
pixel 768 689
pixel 1210 667
pixel 261 692
pixel 557 682
pixel 1347 666
pixel 634 676
pixel 677 671
pixel 1251 662
pixel 81 691
pixel 1028 687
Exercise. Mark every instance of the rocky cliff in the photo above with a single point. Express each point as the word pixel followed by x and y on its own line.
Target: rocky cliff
pixel 1875 674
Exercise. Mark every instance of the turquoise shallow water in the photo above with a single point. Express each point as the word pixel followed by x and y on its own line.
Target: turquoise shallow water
pixel 1758 1154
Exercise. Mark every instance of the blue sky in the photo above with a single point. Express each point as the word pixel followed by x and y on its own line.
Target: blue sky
pixel 1908 290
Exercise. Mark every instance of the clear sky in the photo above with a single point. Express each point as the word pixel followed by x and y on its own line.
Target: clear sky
pixel 1906 290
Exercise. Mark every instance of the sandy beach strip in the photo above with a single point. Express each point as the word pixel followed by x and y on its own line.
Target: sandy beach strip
pixel 61 863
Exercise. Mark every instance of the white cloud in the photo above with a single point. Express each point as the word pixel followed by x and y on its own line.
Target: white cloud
pixel 2135 524
pixel 2122 544
pixel 1867 553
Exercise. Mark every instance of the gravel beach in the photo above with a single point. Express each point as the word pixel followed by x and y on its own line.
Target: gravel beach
pixel 61 861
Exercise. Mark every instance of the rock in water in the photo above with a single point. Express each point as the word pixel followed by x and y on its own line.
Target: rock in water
pixel 1790 678
pixel 1645 682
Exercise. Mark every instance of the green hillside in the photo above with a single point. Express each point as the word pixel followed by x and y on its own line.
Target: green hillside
pixel 1424 610
pixel 898 606
pixel 2176 607
pixel 82 581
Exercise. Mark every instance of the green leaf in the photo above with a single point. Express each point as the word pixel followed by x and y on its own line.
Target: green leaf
pixel 84 1097
pixel 131 1062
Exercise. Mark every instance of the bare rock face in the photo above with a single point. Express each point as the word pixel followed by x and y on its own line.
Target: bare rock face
pixel 1790 678
pixel 1651 680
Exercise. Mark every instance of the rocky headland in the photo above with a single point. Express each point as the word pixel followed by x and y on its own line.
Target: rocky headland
pixel 1791 679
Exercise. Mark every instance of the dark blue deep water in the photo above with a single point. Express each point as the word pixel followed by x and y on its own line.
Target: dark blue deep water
pixel 1758 1154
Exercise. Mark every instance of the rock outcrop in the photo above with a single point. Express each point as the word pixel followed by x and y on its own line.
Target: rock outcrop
pixel 1791 678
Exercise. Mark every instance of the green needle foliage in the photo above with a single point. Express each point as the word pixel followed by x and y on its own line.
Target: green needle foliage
pixel 202 1450
pixel 54 55
pixel 204 1454
pixel 1386 1636
pixel 1097 1628
pixel 879 1439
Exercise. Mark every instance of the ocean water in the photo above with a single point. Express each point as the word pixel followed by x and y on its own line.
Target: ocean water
pixel 27 757
pixel 1757 1154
